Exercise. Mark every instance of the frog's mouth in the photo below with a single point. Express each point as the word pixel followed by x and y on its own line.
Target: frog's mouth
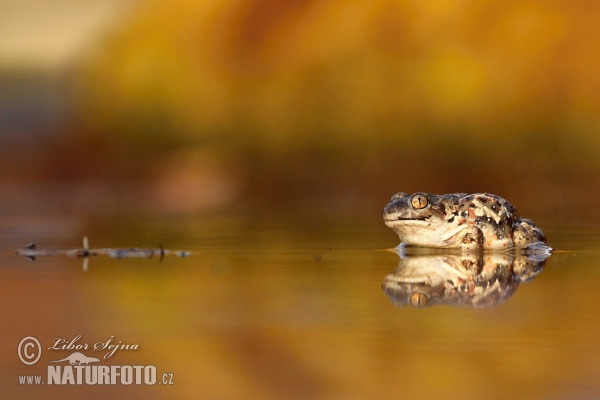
pixel 402 221
pixel 409 219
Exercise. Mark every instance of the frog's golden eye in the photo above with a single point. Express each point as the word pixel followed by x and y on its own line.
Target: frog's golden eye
pixel 399 195
pixel 418 300
pixel 419 201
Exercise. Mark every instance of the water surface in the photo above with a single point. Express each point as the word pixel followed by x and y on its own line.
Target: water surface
pixel 273 305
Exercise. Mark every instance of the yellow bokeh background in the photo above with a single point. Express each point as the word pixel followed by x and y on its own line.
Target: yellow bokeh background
pixel 358 71
pixel 331 97
pixel 336 89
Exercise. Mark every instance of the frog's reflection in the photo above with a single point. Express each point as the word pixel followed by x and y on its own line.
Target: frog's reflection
pixel 476 280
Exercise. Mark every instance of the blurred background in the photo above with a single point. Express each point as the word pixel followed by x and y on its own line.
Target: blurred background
pixel 188 105
pixel 266 137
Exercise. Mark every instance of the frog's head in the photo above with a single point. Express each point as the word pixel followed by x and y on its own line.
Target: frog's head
pixel 421 218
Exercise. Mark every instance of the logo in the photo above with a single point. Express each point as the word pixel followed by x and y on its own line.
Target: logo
pixel 78 358
pixel 27 350
pixel 78 368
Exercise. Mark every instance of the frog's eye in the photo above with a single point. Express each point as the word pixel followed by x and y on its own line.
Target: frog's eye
pixel 418 300
pixel 419 201
pixel 399 195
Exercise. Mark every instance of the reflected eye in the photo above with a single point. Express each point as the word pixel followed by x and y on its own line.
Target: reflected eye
pixel 419 201
pixel 418 300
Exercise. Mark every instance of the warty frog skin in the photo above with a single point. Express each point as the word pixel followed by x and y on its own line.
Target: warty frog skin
pixel 460 220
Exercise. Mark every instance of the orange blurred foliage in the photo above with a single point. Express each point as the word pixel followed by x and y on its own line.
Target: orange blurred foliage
pixel 289 70
pixel 352 88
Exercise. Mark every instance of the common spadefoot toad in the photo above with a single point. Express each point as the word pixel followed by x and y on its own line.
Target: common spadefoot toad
pixel 459 220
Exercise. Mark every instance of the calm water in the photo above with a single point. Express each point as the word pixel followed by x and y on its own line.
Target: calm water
pixel 292 306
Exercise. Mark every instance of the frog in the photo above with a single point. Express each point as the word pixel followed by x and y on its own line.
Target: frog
pixel 460 221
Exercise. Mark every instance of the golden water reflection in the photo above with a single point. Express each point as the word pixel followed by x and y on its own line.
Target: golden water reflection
pixel 292 308
pixel 460 279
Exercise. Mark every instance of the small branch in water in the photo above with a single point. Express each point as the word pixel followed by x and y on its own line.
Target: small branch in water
pixel 30 251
